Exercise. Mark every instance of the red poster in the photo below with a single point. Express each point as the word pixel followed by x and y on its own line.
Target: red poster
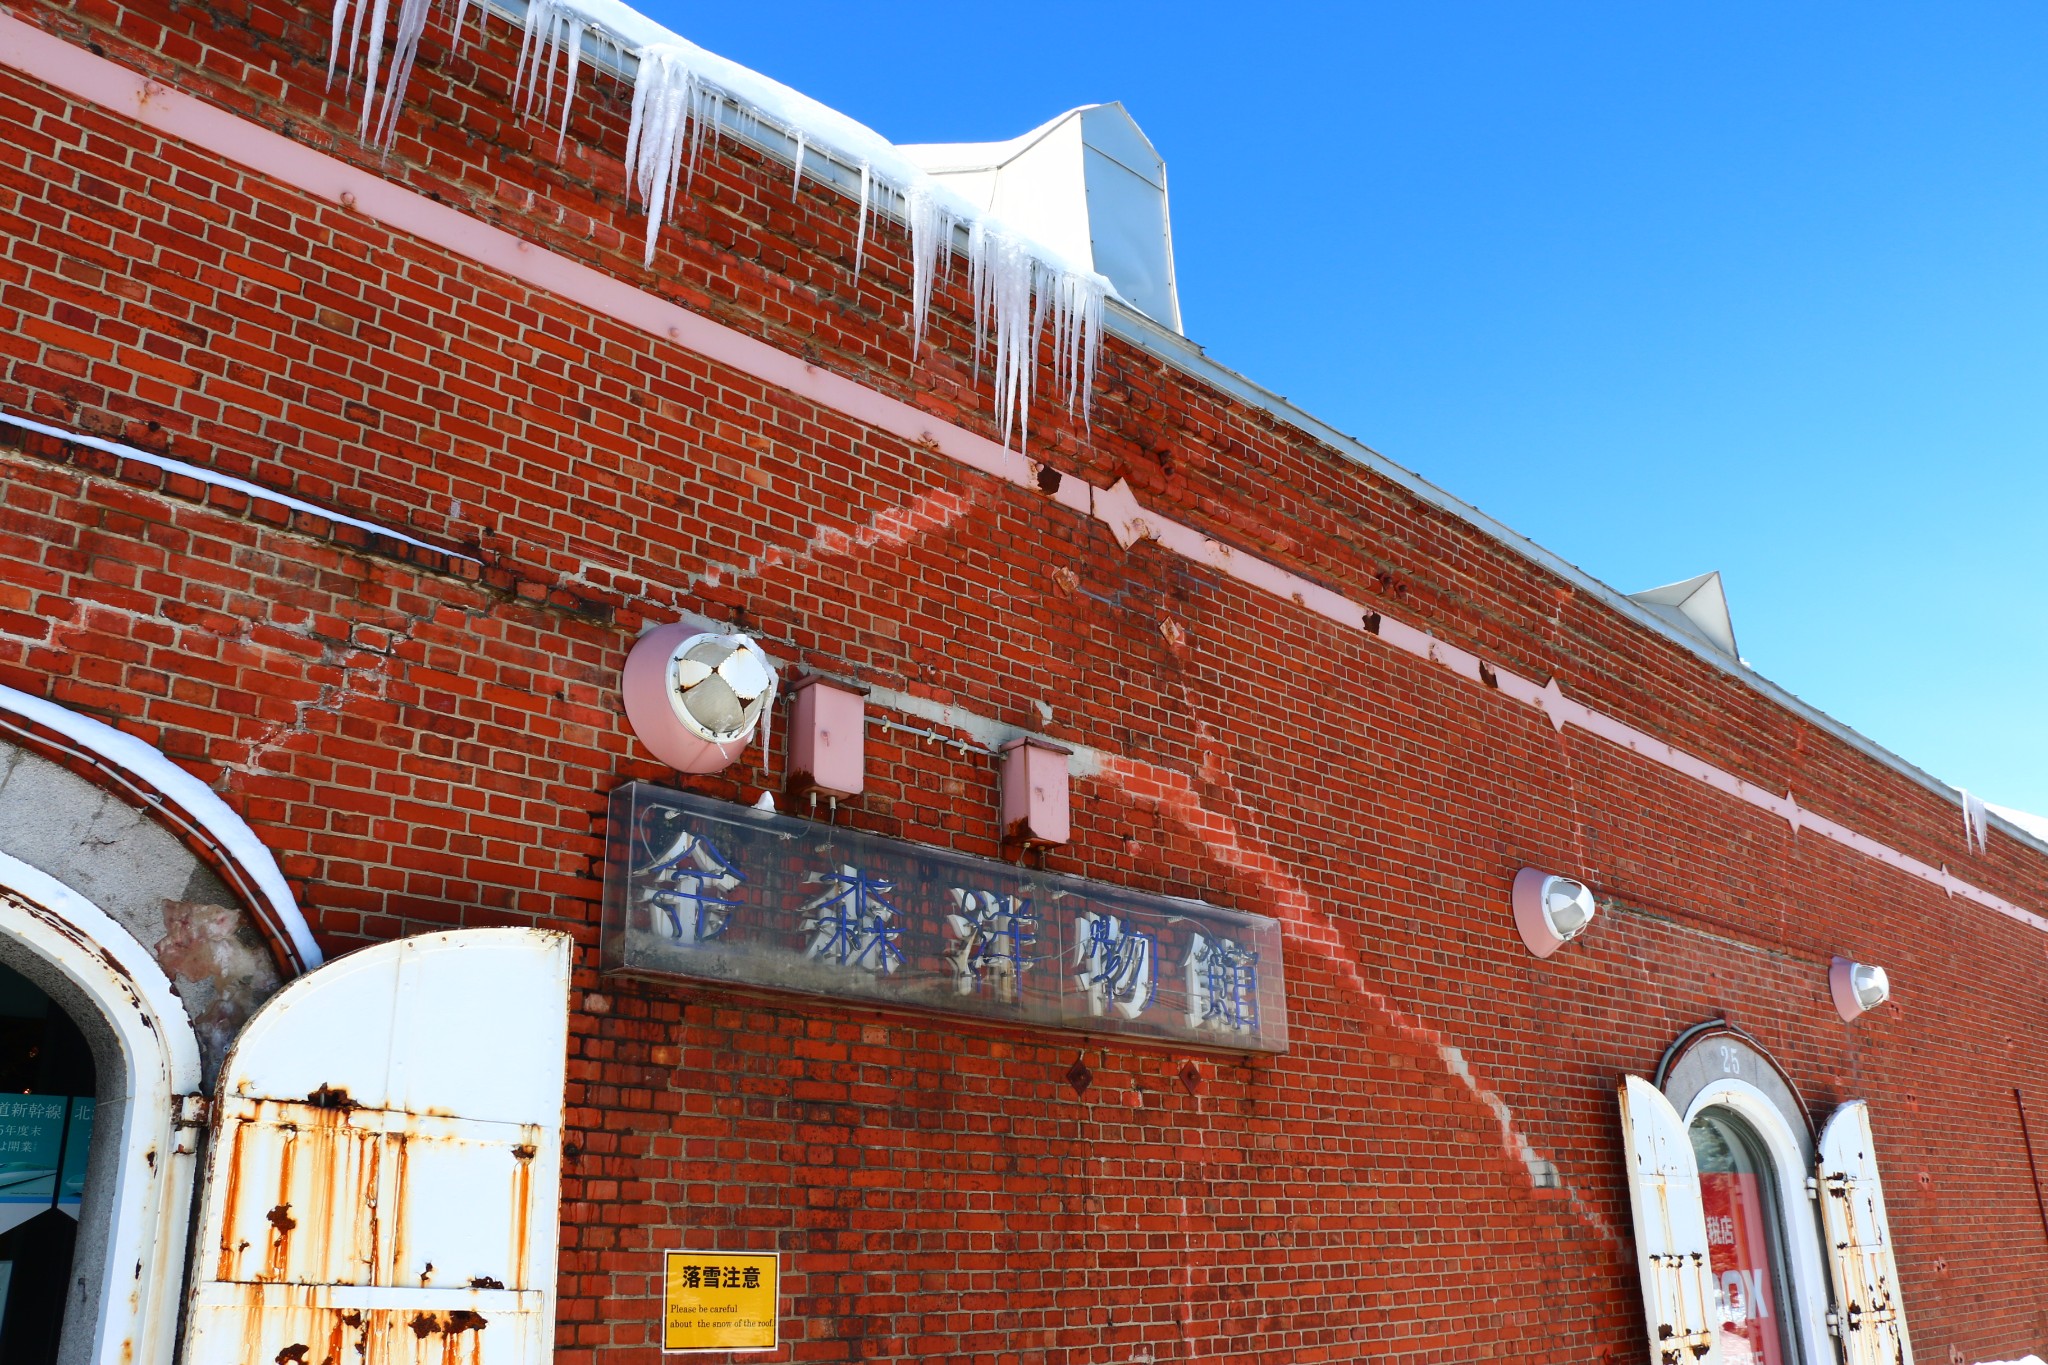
pixel 1740 1255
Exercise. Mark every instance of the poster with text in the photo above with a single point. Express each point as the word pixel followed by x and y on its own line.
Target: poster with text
pixel 1740 1256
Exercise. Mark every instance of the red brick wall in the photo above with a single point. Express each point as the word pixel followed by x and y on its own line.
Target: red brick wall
pixel 425 742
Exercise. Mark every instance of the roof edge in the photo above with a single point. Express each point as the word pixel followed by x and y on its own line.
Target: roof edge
pixel 991 155
pixel 1129 325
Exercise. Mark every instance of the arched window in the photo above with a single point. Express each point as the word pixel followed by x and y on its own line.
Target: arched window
pixel 1745 1240
pixel 1754 1147
pixel 1722 1170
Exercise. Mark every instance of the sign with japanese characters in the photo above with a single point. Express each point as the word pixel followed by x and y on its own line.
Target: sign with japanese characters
pixel 699 888
pixel 43 1144
pixel 719 1301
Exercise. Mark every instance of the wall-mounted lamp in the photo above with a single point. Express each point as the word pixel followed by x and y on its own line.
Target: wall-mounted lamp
pixel 696 697
pixel 1034 797
pixel 1551 911
pixel 828 729
pixel 1857 987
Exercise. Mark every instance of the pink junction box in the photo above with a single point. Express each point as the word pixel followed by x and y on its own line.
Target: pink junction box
pixel 827 737
pixel 1034 807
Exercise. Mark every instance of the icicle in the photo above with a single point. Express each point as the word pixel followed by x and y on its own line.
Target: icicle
pixel 569 85
pixel 1005 295
pixel 1015 295
pixel 705 105
pixel 931 246
pixel 1077 335
pixel 746 123
pixel 1027 360
pixel 355 37
pixel 533 42
pixel 553 31
pixel 1976 822
pixel 378 124
pixel 977 288
pixel 547 53
pixel 359 11
pixel 860 232
pixel 768 724
pixel 379 8
pixel 412 22
pixel 341 12
pixel 664 97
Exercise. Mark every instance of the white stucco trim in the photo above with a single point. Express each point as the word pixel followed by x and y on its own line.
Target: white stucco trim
pixel 156 772
pixel 1799 1225
pixel 138 1193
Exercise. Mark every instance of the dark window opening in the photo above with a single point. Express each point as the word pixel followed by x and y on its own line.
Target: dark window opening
pixel 46 1110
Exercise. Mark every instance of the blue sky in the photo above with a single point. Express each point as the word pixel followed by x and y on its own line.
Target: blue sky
pixel 1667 288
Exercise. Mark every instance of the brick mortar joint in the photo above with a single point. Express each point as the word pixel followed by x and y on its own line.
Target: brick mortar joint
pixel 492 579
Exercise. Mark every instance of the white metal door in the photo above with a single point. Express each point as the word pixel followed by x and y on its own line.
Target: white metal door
pixel 1671 1229
pixel 384 1179
pixel 1868 1313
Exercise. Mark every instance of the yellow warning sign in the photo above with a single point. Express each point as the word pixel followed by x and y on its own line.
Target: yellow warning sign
pixel 720 1301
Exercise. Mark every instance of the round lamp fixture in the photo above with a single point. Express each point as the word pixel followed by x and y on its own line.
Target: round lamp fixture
pixel 696 697
pixel 1857 987
pixel 1551 911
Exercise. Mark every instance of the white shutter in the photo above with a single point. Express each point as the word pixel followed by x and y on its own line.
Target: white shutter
pixel 1868 1313
pixel 1671 1229
pixel 383 1184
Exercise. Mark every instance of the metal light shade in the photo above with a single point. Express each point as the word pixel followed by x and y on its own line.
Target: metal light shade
pixel 1857 987
pixel 1568 905
pixel 696 697
pixel 1550 910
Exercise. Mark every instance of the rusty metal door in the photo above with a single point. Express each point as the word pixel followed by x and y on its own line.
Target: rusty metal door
pixel 384 1175
pixel 1869 1317
pixel 1671 1229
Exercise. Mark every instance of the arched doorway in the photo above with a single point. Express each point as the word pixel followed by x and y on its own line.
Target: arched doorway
pixel 119 1298
pixel 140 908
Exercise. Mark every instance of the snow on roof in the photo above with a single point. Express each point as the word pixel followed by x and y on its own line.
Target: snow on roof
pixel 2036 825
pixel 681 93
pixel 940 157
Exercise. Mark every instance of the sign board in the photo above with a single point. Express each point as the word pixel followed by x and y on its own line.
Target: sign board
pixel 720 1301
pixel 702 889
pixel 43 1144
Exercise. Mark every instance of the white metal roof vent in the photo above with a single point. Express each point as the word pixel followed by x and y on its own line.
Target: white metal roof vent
pixel 1088 184
pixel 1697 606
